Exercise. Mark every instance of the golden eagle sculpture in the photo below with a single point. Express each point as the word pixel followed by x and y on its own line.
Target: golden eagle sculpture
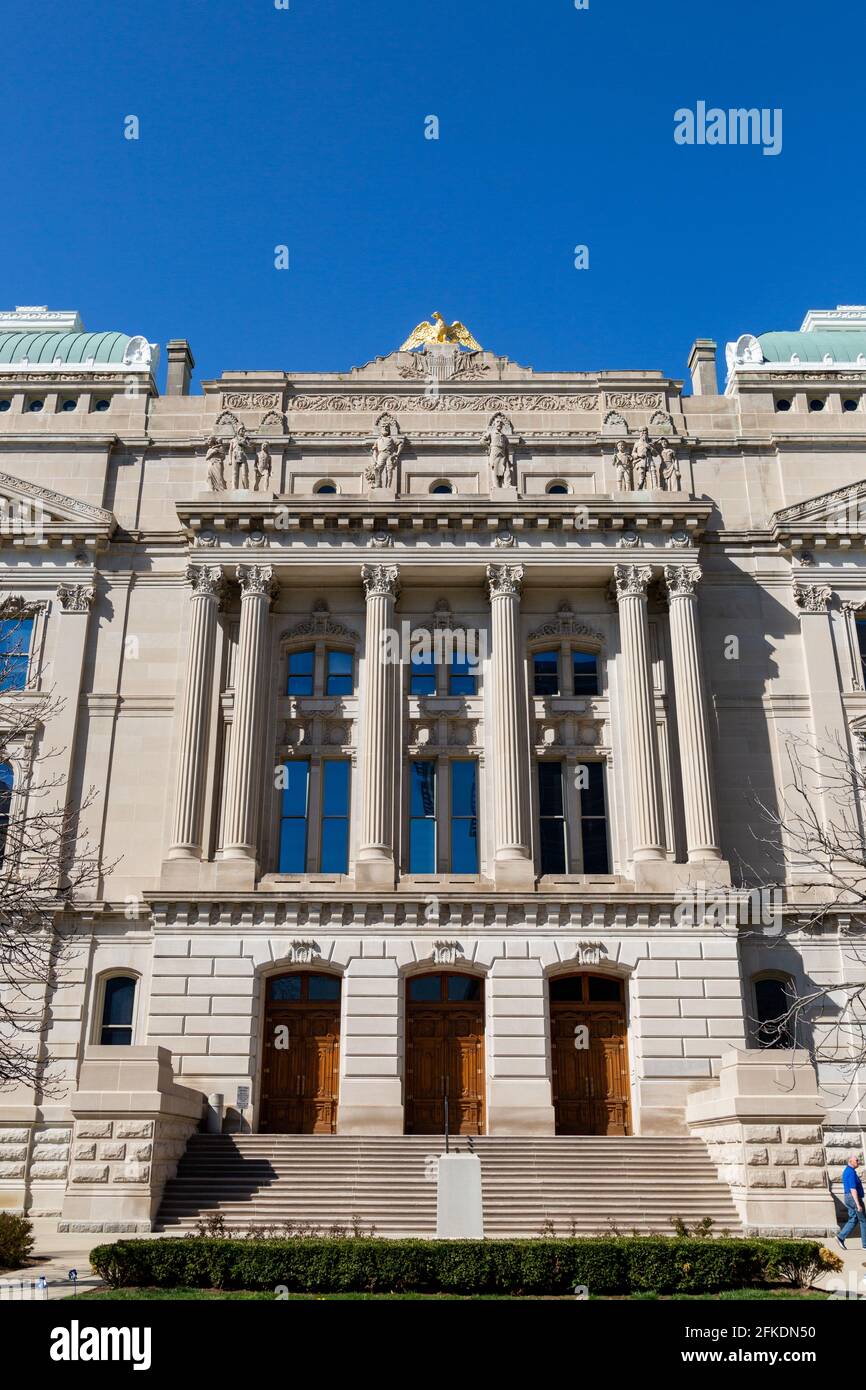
pixel 438 333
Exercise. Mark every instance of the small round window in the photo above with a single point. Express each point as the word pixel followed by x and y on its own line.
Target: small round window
pixel 783 403
pixel 102 405
pixel 35 406
pixel 850 403
pixel 5 405
pixel 68 405
pixel 816 404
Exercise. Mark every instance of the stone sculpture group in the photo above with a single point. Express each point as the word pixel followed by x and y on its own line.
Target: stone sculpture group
pixel 228 464
pixel 650 464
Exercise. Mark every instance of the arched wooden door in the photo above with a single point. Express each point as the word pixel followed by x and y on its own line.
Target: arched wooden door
pixel 301 1055
pixel 444 1054
pixel 589 1055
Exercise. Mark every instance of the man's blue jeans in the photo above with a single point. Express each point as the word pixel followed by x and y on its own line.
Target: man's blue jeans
pixel 853 1217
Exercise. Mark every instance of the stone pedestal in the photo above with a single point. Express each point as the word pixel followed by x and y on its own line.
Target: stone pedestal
pixel 459 1209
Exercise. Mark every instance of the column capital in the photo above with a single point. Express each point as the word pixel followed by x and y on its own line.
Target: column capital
pixel 381 579
pixel 682 580
pixel 631 581
pixel 504 580
pixel 812 598
pixel 256 581
pixel 75 598
pixel 206 581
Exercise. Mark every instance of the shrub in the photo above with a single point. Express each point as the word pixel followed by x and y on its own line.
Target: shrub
pixel 16 1240
pixel 605 1265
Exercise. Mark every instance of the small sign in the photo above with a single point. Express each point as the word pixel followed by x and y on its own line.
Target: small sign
pixel 73 1276
pixel 243 1097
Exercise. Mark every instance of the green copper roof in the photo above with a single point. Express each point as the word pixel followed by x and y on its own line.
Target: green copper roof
pixel 46 348
pixel 838 345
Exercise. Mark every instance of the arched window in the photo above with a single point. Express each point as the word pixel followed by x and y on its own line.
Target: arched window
pixel 326 486
pixel 774 995
pixel 320 670
pixel 118 1003
pixel 557 488
pixel 564 670
pixel 6 783
pixel 441 486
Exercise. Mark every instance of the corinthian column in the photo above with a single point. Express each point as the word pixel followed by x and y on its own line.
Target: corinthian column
pixel 376 864
pixel 513 860
pixel 207 588
pixel 643 781
pixel 702 833
pixel 243 785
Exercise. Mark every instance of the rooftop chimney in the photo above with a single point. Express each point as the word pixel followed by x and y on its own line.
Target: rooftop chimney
pixel 702 365
pixel 180 365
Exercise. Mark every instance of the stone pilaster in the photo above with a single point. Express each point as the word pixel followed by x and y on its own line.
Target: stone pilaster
pixel 207 587
pixel 825 776
pixel 630 583
pixel 243 783
pixel 702 833
pixel 513 867
pixel 376 864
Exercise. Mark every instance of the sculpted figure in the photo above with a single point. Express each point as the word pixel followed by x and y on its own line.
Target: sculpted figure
pixel 237 460
pixel 263 468
pixel 622 464
pixel 215 460
pixel 384 455
pixel 498 452
pixel 642 461
pixel 669 468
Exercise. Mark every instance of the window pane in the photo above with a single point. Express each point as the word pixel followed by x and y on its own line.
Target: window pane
pixel 422 789
pixel 422 680
pixel 426 989
pixel 568 990
pixel 552 846
pixel 462 987
pixel 334 857
pixel 584 666
pixel 340 672
pixel 286 987
pixel 296 776
pixel 422 847
pixel 772 999
pixel 463 802
pixel 861 638
pixel 116 1037
pixel 592 795
pixel 15 635
pixel 545 669
pixel 293 846
pixel 322 987
pixel 464 846
pixel 550 789
pixel 119 998
pixel 335 796
pixel 594 838
pixel 602 991
pixel 462 678
pixel 300 673
pixel 6 783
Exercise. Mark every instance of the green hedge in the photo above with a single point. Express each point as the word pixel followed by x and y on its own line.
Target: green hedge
pixel 605 1265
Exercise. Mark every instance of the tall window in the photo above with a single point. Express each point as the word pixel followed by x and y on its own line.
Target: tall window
pixel 584 670
pixel 565 670
pixel 860 624
pixel 463 676
pixel 300 673
pixel 118 1001
pixel 320 670
pixel 339 680
pixel 6 784
pixel 464 818
pixel 422 676
pixel 453 839
pixel 422 817
pixel 323 798
pixel 545 673
pixel 558 803
pixel 773 997
pixel 15 638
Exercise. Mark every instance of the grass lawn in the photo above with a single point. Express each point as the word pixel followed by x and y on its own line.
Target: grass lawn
pixel 732 1295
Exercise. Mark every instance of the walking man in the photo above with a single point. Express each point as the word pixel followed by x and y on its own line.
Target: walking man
pixel 852 1189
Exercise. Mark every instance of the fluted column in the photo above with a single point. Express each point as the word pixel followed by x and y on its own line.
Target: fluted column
pixel 243 788
pixel 376 864
pixel 207 588
pixel 513 859
pixel 642 778
pixel 702 832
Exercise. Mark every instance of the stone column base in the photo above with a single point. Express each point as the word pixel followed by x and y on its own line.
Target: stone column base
pixel 376 873
pixel 514 873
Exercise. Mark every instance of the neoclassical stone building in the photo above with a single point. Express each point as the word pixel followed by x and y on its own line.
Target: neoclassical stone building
pixel 430 707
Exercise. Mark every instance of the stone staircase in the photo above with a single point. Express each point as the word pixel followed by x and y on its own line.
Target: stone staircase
pixel 531 1187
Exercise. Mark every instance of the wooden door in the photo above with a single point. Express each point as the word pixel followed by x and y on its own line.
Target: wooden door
pixel 444 1056
pixel 301 1057
pixel 589 1057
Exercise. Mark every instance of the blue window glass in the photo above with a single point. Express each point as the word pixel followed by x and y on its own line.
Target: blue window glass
pixel 464 818
pixel 6 784
pixel 300 673
pixel 463 676
pixel 551 814
pixel 339 677
pixel 286 988
pixel 293 818
pixel 593 822
pixel 584 666
pixel 861 640
pixel 15 637
pixel 117 1006
pixel 545 673
pixel 422 818
pixel 334 857
pixel 322 987
pixel 422 678
pixel 425 989
pixel 462 988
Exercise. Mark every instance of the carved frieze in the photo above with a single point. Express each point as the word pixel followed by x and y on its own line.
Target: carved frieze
pixel 251 400
pixel 75 598
pixel 812 598
pixel 339 401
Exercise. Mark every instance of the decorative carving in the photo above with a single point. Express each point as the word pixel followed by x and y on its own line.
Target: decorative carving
pixel 682 580
pixel 679 540
pixel 319 624
pixel 649 465
pixel 251 400
pixel 622 464
pixel 443 365
pixel 204 540
pixel 812 598
pixel 302 952
pixel 633 400
pixel 499 451
pixel 53 501
pixel 503 540
pixel 628 539
pixel 565 625
pixel 256 580
pixel 439 332
pixel 381 579
pixel 642 461
pixel 215 459
pixel 273 417
pixel 380 540
pixel 446 952
pixel 208 581
pixel 262 480
pixel 385 453
pixel 237 461
pixel 661 420
pixel 590 952
pixel 631 581
pixel 337 401
pixel 75 598
pixel 504 580
pixel 256 540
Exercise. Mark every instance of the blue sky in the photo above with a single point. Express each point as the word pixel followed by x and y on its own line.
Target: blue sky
pixel 305 127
